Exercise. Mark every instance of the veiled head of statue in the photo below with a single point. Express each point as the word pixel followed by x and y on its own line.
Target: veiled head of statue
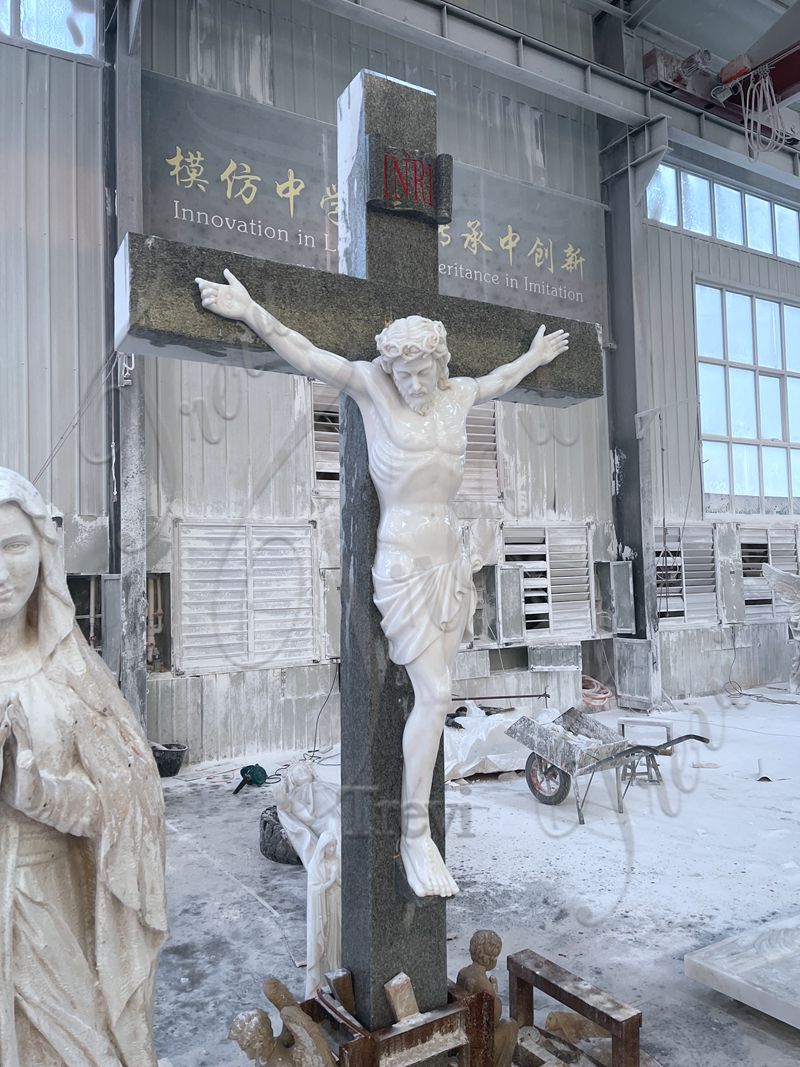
pixel 414 352
pixel 31 567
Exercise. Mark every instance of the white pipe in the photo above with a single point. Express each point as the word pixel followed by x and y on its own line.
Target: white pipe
pixel 150 626
pixel 158 614
pixel 92 607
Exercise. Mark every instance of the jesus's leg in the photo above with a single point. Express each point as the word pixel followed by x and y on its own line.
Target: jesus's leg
pixel 430 676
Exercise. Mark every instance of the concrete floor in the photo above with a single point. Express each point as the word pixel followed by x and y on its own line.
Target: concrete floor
pixel 619 901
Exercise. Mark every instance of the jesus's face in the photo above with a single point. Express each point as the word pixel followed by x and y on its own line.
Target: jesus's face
pixel 417 379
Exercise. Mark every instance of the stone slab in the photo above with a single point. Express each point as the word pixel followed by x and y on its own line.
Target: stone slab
pixel 760 968
pixel 158 313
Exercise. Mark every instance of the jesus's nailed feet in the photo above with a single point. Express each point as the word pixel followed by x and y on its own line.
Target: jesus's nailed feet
pixel 425 869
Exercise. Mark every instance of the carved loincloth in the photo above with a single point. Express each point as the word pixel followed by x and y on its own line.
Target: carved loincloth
pixel 419 608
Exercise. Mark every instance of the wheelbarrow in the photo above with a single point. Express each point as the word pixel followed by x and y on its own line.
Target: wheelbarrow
pixel 576 745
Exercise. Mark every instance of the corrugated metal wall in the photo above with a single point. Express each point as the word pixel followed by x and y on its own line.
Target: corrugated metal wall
pixel 223 443
pixel 557 462
pixel 298 57
pixel 674 261
pixel 52 288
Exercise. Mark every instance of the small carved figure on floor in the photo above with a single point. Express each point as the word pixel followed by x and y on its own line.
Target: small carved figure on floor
pixel 309 811
pixel 301 1043
pixel 324 912
pixel 787 587
pixel 485 947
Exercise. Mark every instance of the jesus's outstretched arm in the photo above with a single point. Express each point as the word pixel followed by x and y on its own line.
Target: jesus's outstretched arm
pixel 501 380
pixel 232 301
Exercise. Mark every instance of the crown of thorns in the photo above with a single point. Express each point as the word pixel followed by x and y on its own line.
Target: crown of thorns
pixel 412 337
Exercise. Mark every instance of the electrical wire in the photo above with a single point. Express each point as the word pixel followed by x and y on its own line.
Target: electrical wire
pixel 90 397
pixel 760 108
pixel 336 677
pixel 313 754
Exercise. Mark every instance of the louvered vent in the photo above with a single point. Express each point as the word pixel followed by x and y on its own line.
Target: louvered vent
pixel 481 481
pixel 245 596
pixel 754 549
pixel 570 590
pixel 281 566
pixel 556 577
pixel 213 604
pixel 699 573
pixel 326 435
pixel 669 573
pixel 783 554
pixel 527 546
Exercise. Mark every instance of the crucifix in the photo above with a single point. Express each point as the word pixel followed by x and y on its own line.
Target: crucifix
pixel 405 577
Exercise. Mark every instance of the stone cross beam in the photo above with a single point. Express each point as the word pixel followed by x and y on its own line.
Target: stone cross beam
pixel 158 313
pixel 389 269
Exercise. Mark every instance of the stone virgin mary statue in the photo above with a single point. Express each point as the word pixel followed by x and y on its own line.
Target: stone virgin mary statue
pixel 82 908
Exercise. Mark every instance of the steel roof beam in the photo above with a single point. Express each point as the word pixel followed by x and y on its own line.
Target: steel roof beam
pixel 453 31
pixel 638 12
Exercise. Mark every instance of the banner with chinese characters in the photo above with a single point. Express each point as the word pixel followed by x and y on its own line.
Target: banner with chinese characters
pixel 226 173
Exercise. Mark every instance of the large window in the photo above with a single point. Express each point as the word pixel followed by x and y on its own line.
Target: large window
pixel 703 206
pixel 65 25
pixel 748 350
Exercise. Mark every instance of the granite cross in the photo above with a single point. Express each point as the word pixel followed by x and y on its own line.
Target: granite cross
pixel 389 269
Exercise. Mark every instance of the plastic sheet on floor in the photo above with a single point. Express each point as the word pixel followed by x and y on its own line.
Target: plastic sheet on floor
pixel 481 746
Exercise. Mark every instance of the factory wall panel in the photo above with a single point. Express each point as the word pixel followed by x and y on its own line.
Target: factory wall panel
pixel 702 661
pixel 226 716
pixel 52 290
pixel 222 443
pixel 563 24
pixel 674 261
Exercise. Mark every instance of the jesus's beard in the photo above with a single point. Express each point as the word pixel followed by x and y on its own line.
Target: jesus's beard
pixel 420 405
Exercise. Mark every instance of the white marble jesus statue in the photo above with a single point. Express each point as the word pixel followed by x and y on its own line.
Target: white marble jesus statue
pixel 415 423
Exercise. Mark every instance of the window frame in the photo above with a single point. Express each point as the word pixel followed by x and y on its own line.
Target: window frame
pixel 783 373
pixel 16 38
pixel 743 192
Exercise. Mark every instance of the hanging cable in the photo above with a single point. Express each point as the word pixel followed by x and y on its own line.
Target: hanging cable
pixel 90 397
pixel 761 109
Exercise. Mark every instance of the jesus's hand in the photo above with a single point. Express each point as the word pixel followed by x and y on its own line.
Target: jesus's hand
pixel 231 301
pixel 545 347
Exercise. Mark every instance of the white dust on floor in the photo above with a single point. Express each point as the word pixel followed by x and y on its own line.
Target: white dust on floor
pixel 620 900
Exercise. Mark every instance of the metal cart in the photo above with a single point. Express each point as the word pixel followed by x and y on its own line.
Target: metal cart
pixel 577 745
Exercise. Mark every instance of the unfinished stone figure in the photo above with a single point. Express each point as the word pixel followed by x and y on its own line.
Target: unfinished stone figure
pixel 485 947
pixel 415 424
pixel 308 807
pixel 301 1043
pixel 309 811
pixel 787 587
pixel 324 911
pixel 82 907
